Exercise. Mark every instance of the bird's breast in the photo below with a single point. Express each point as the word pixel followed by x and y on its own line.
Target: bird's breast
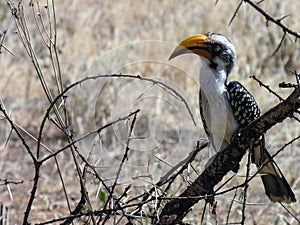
pixel 216 110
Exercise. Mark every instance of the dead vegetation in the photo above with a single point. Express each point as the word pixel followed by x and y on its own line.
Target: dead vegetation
pixel 81 146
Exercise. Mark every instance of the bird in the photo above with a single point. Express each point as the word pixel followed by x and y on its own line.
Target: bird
pixel 226 107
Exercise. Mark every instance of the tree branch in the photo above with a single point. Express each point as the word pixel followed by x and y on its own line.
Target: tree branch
pixel 228 159
pixel 268 18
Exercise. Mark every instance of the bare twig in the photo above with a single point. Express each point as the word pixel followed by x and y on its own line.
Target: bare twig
pixel 128 76
pixel 270 18
pixel 246 184
pixel 9 181
pixel 280 44
pixel 98 130
pixel 167 178
pixel 290 213
pixel 274 93
pixel 12 124
pixel 235 12
pixel 266 87
pixel 230 206
pixel 2 38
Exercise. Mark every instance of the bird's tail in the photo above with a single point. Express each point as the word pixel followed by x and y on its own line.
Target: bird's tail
pixel 276 186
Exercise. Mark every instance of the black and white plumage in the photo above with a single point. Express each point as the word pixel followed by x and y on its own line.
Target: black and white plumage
pixel 243 104
pixel 226 107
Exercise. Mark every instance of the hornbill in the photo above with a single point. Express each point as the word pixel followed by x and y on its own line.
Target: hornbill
pixel 226 107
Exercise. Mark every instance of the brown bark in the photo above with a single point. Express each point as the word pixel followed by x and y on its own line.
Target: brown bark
pixel 228 159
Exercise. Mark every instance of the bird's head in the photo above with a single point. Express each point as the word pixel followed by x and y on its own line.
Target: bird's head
pixel 216 50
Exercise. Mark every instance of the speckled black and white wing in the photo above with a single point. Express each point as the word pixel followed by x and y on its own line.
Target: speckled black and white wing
pixel 245 110
pixel 243 104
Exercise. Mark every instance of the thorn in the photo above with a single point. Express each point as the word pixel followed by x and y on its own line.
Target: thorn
pixel 282 18
pixel 261 1
pixel 280 44
pixel 291 39
pixel 235 13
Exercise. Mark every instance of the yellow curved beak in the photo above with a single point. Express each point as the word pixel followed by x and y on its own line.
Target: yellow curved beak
pixel 196 44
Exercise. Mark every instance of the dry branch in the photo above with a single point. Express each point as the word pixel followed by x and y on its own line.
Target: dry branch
pixel 176 209
pixel 227 160
pixel 269 18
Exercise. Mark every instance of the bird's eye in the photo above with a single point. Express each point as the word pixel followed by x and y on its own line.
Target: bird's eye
pixel 217 48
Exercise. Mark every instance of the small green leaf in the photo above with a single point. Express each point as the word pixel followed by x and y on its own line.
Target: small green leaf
pixel 85 207
pixel 102 196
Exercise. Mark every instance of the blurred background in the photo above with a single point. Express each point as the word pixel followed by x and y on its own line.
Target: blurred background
pixel 137 37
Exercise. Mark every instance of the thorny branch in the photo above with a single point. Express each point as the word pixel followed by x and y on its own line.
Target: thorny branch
pixel 199 188
pixel 125 157
pixel 127 76
pixel 98 130
pixel 226 160
pixel 39 162
pixel 274 93
pixel 268 17
pixel 285 29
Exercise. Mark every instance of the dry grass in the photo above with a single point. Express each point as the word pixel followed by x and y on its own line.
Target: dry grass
pixel 137 37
